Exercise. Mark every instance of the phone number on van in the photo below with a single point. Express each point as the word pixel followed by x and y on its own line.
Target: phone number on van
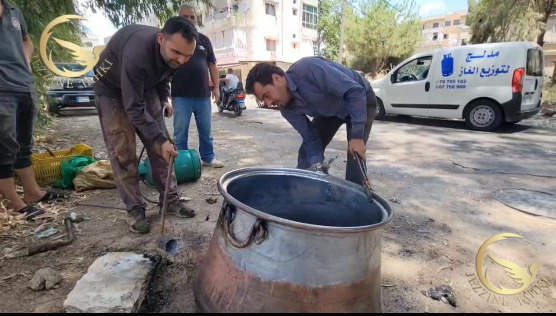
pixel 451 84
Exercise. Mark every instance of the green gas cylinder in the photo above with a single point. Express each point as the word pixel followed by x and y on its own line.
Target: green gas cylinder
pixel 187 167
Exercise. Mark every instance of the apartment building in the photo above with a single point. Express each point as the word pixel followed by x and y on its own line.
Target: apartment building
pixel 445 31
pixel 245 32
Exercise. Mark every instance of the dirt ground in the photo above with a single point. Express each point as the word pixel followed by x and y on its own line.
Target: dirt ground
pixel 438 176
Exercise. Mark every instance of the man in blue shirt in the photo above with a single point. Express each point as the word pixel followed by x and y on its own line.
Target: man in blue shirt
pixel 327 91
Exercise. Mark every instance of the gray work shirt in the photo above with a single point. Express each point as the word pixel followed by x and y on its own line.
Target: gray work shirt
pixel 15 75
pixel 325 88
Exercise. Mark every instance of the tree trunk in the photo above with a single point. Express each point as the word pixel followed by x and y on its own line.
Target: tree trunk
pixel 554 75
pixel 546 15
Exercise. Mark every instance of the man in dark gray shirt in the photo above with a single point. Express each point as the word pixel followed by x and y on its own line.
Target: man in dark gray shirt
pixel 18 110
pixel 327 91
pixel 134 72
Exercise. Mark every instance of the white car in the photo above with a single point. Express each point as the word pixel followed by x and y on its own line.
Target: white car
pixel 486 84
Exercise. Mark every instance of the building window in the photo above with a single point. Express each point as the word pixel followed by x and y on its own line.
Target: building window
pixel 446 36
pixel 270 45
pixel 294 35
pixel 294 45
pixel 294 1
pixel 310 16
pixel 436 25
pixel 270 9
pixel 435 36
pixel 295 12
pixel 448 23
pixel 424 26
pixel 457 22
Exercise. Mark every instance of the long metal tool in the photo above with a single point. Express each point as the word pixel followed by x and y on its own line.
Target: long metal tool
pixel 366 182
pixel 167 243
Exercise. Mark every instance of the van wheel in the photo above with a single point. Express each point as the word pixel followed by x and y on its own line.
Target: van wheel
pixel 483 115
pixel 380 111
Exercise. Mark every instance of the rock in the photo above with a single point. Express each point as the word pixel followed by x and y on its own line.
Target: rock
pixel 395 200
pixel 76 217
pixel 115 283
pixel 45 279
pixel 442 293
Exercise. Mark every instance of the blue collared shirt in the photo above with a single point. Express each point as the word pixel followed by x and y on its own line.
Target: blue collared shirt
pixel 324 88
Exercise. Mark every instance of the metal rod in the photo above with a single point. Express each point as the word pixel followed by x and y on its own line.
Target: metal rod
pixel 166 194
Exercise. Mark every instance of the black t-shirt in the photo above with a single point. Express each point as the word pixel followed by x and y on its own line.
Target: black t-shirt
pixel 192 79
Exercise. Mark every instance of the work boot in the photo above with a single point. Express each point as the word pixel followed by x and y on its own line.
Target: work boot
pixel 213 164
pixel 137 221
pixel 178 209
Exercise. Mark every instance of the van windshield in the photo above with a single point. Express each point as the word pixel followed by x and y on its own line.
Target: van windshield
pixel 534 62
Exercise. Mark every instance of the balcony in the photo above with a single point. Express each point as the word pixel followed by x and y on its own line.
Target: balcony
pixel 224 20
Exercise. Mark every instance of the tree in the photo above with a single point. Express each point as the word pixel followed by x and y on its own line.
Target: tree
pixel 379 33
pixel 328 40
pixel 503 21
pixel 515 20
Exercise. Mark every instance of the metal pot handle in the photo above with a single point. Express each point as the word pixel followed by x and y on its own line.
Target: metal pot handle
pixel 258 231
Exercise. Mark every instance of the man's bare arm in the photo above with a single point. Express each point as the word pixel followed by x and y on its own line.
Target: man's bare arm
pixel 28 48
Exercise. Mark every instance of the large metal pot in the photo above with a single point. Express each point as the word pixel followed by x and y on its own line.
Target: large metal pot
pixel 291 240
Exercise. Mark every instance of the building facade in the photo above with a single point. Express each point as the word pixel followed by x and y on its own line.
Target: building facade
pixel 445 31
pixel 245 32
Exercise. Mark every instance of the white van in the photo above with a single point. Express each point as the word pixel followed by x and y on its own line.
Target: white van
pixel 485 84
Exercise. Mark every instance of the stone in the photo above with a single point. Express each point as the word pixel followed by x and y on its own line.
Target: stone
pixel 45 279
pixel 115 283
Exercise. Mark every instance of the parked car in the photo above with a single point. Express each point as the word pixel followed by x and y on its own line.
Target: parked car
pixel 486 85
pixel 71 92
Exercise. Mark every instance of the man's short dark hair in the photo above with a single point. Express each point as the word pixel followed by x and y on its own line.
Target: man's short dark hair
pixel 179 25
pixel 261 73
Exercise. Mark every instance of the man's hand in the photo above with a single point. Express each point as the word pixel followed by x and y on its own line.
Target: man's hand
pixel 168 110
pixel 168 150
pixel 357 146
pixel 216 93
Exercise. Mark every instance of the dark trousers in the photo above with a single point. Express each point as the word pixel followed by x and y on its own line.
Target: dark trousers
pixel 119 137
pixel 18 112
pixel 327 128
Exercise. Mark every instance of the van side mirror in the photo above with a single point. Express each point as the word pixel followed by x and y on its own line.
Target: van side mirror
pixel 393 78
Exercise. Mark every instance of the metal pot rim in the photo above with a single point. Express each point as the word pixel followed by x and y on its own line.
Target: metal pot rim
pixel 240 173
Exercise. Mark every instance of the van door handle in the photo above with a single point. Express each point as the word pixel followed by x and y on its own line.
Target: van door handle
pixel 427 86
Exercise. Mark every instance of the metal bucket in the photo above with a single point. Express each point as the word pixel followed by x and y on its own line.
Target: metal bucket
pixel 291 240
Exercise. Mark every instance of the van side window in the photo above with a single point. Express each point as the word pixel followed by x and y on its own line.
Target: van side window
pixel 415 70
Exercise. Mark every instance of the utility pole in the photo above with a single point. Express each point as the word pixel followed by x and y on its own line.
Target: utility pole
pixel 342 31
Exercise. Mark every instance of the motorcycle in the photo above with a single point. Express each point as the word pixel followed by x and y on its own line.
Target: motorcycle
pixel 232 101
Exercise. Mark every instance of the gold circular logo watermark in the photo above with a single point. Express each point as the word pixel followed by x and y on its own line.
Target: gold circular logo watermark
pixel 522 276
pixel 83 56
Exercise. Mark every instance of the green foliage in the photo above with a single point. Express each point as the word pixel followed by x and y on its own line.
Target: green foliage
pixel 505 21
pixel 328 42
pixel 379 34
pixel 126 12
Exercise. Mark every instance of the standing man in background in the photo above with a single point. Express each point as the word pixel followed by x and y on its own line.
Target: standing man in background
pixel 18 111
pixel 191 95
